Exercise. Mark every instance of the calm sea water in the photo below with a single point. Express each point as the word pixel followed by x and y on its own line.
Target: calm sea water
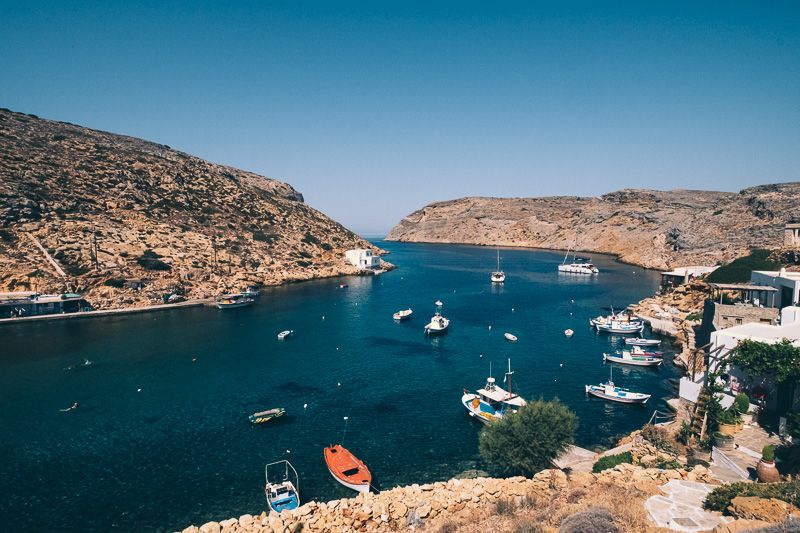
pixel 160 437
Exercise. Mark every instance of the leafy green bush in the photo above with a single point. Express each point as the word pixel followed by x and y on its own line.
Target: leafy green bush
pixel 742 403
pixel 691 317
pixel 768 452
pixel 528 440
pixel 738 270
pixel 793 424
pixel 669 465
pixel 720 498
pixel 149 260
pixel 592 520
pixel 691 462
pixel 114 282
pixel 610 461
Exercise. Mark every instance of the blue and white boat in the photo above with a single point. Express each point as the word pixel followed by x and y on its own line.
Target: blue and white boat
pixel 492 402
pixel 620 327
pixel 609 391
pixel 283 486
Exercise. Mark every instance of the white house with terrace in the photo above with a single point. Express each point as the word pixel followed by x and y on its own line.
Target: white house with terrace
pixel 364 259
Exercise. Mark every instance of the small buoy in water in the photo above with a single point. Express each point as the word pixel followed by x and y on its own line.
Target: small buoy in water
pixel 194 359
pixel 288 451
pixel 337 349
pixel 481 356
pixel 339 384
pixel 573 301
pixel 490 327
pixel 140 390
pixel 323 317
pixel 562 364
pixel 512 309
pixel 305 405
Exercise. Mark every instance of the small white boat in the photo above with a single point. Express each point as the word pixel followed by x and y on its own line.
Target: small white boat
pixel 568 332
pixel 638 341
pixel 282 487
pixel 438 324
pixel 498 276
pixel 512 338
pixel 438 302
pixel 231 303
pixel 627 358
pixel 402 315
pixel 492 402
pixel 283 334
pixel 608 391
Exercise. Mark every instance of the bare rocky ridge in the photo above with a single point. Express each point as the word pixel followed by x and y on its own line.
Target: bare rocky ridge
pixel 654 229
pixel 97 201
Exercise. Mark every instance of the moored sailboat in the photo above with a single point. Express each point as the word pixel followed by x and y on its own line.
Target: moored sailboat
pixel 498 276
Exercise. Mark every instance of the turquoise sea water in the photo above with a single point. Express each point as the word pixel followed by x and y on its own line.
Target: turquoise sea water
pixel 160 438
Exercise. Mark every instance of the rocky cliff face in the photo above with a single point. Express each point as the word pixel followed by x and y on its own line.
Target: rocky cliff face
pixel 655 229
pixel 97 202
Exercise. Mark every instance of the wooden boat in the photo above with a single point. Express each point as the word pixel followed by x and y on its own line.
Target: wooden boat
pixel 283 334
pixel 492 402
pixel 626 358
pixel 437 325
pixel 512 338
pixel 568 332
pixel 639 341
pixel 347 469
pixel 233 302
pixel 608 391
pixel 621 327
pixel 266 416
pixel 498 276
pixel 402 315
pixel 282 488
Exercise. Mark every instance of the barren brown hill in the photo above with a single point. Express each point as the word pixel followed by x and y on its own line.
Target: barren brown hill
pixel 655 229
pixel 97 202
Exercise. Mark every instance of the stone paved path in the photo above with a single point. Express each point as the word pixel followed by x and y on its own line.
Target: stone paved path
pixel 682 507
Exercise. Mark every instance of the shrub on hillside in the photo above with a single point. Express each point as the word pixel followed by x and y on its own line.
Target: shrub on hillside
pixel 149 260
pixel 529 440
pixel 526 525
pixel 738 270
pixel 720 498
pixel 790 525
pixel 593 520
pixel 610 461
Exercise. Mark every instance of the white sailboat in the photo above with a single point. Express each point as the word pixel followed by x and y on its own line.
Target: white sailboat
pixel 498 276
pixel 577 266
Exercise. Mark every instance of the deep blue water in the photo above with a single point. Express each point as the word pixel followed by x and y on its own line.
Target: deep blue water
pixel 160 438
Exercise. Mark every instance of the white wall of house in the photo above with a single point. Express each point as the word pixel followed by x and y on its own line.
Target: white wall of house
pixel 363 259
pixel 779 280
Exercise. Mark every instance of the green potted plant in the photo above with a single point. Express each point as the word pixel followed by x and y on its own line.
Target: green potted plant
pixel 742 404
pixel 726 423
pixel 766 470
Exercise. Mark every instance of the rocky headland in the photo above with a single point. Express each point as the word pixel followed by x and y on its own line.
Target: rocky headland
pixel 654 229
pixel 83 210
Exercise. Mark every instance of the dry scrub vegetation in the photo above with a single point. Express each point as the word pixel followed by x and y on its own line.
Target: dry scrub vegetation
pixel 601 508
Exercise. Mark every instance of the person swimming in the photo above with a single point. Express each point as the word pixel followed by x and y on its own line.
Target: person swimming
pixel 69 408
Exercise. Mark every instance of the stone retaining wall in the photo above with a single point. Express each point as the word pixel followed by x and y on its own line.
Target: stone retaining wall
pixel 417 505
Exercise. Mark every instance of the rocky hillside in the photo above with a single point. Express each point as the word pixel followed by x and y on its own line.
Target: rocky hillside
pixel 655 229
pixel 106 208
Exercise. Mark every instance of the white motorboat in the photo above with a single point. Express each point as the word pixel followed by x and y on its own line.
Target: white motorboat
pixel 438 324
pixel 627 358
pixel 498 276
pixel 283 334
pixel 511 337
pixel 620 327
pixel 568 332
pixel 402 315
pixel 577 266
pixel 492 402
pixel 282 487
pixel 609 391
pixel 638 341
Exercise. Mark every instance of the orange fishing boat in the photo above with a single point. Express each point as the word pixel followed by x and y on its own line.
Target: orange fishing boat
pixel 347 468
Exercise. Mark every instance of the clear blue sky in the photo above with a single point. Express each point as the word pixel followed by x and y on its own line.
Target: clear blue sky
pixel 375 109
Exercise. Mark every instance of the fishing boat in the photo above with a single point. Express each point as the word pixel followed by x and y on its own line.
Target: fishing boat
pixel 250 292
pixel 437 325
pixel 512 338
pixel 498 276
pixel 609 391
pixel 639 341
pixel 618 317
pixel 347 469
pixel 402 315
pixel 266 416
pixel 283 334
pixel 638 350
pixel 577 266
pixel 492 402
pixel 283 487
pixel 627 358
pixel 568 332
pixel 621 327
pixel 233 302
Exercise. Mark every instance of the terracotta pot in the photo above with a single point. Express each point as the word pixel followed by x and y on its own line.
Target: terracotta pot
pixel 727 429
pixel 767 473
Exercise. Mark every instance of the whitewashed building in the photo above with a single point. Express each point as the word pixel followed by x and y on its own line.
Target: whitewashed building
pixel 787 284
pixel 363 259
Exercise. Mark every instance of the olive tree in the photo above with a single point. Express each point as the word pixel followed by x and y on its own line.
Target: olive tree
pixel 529 440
